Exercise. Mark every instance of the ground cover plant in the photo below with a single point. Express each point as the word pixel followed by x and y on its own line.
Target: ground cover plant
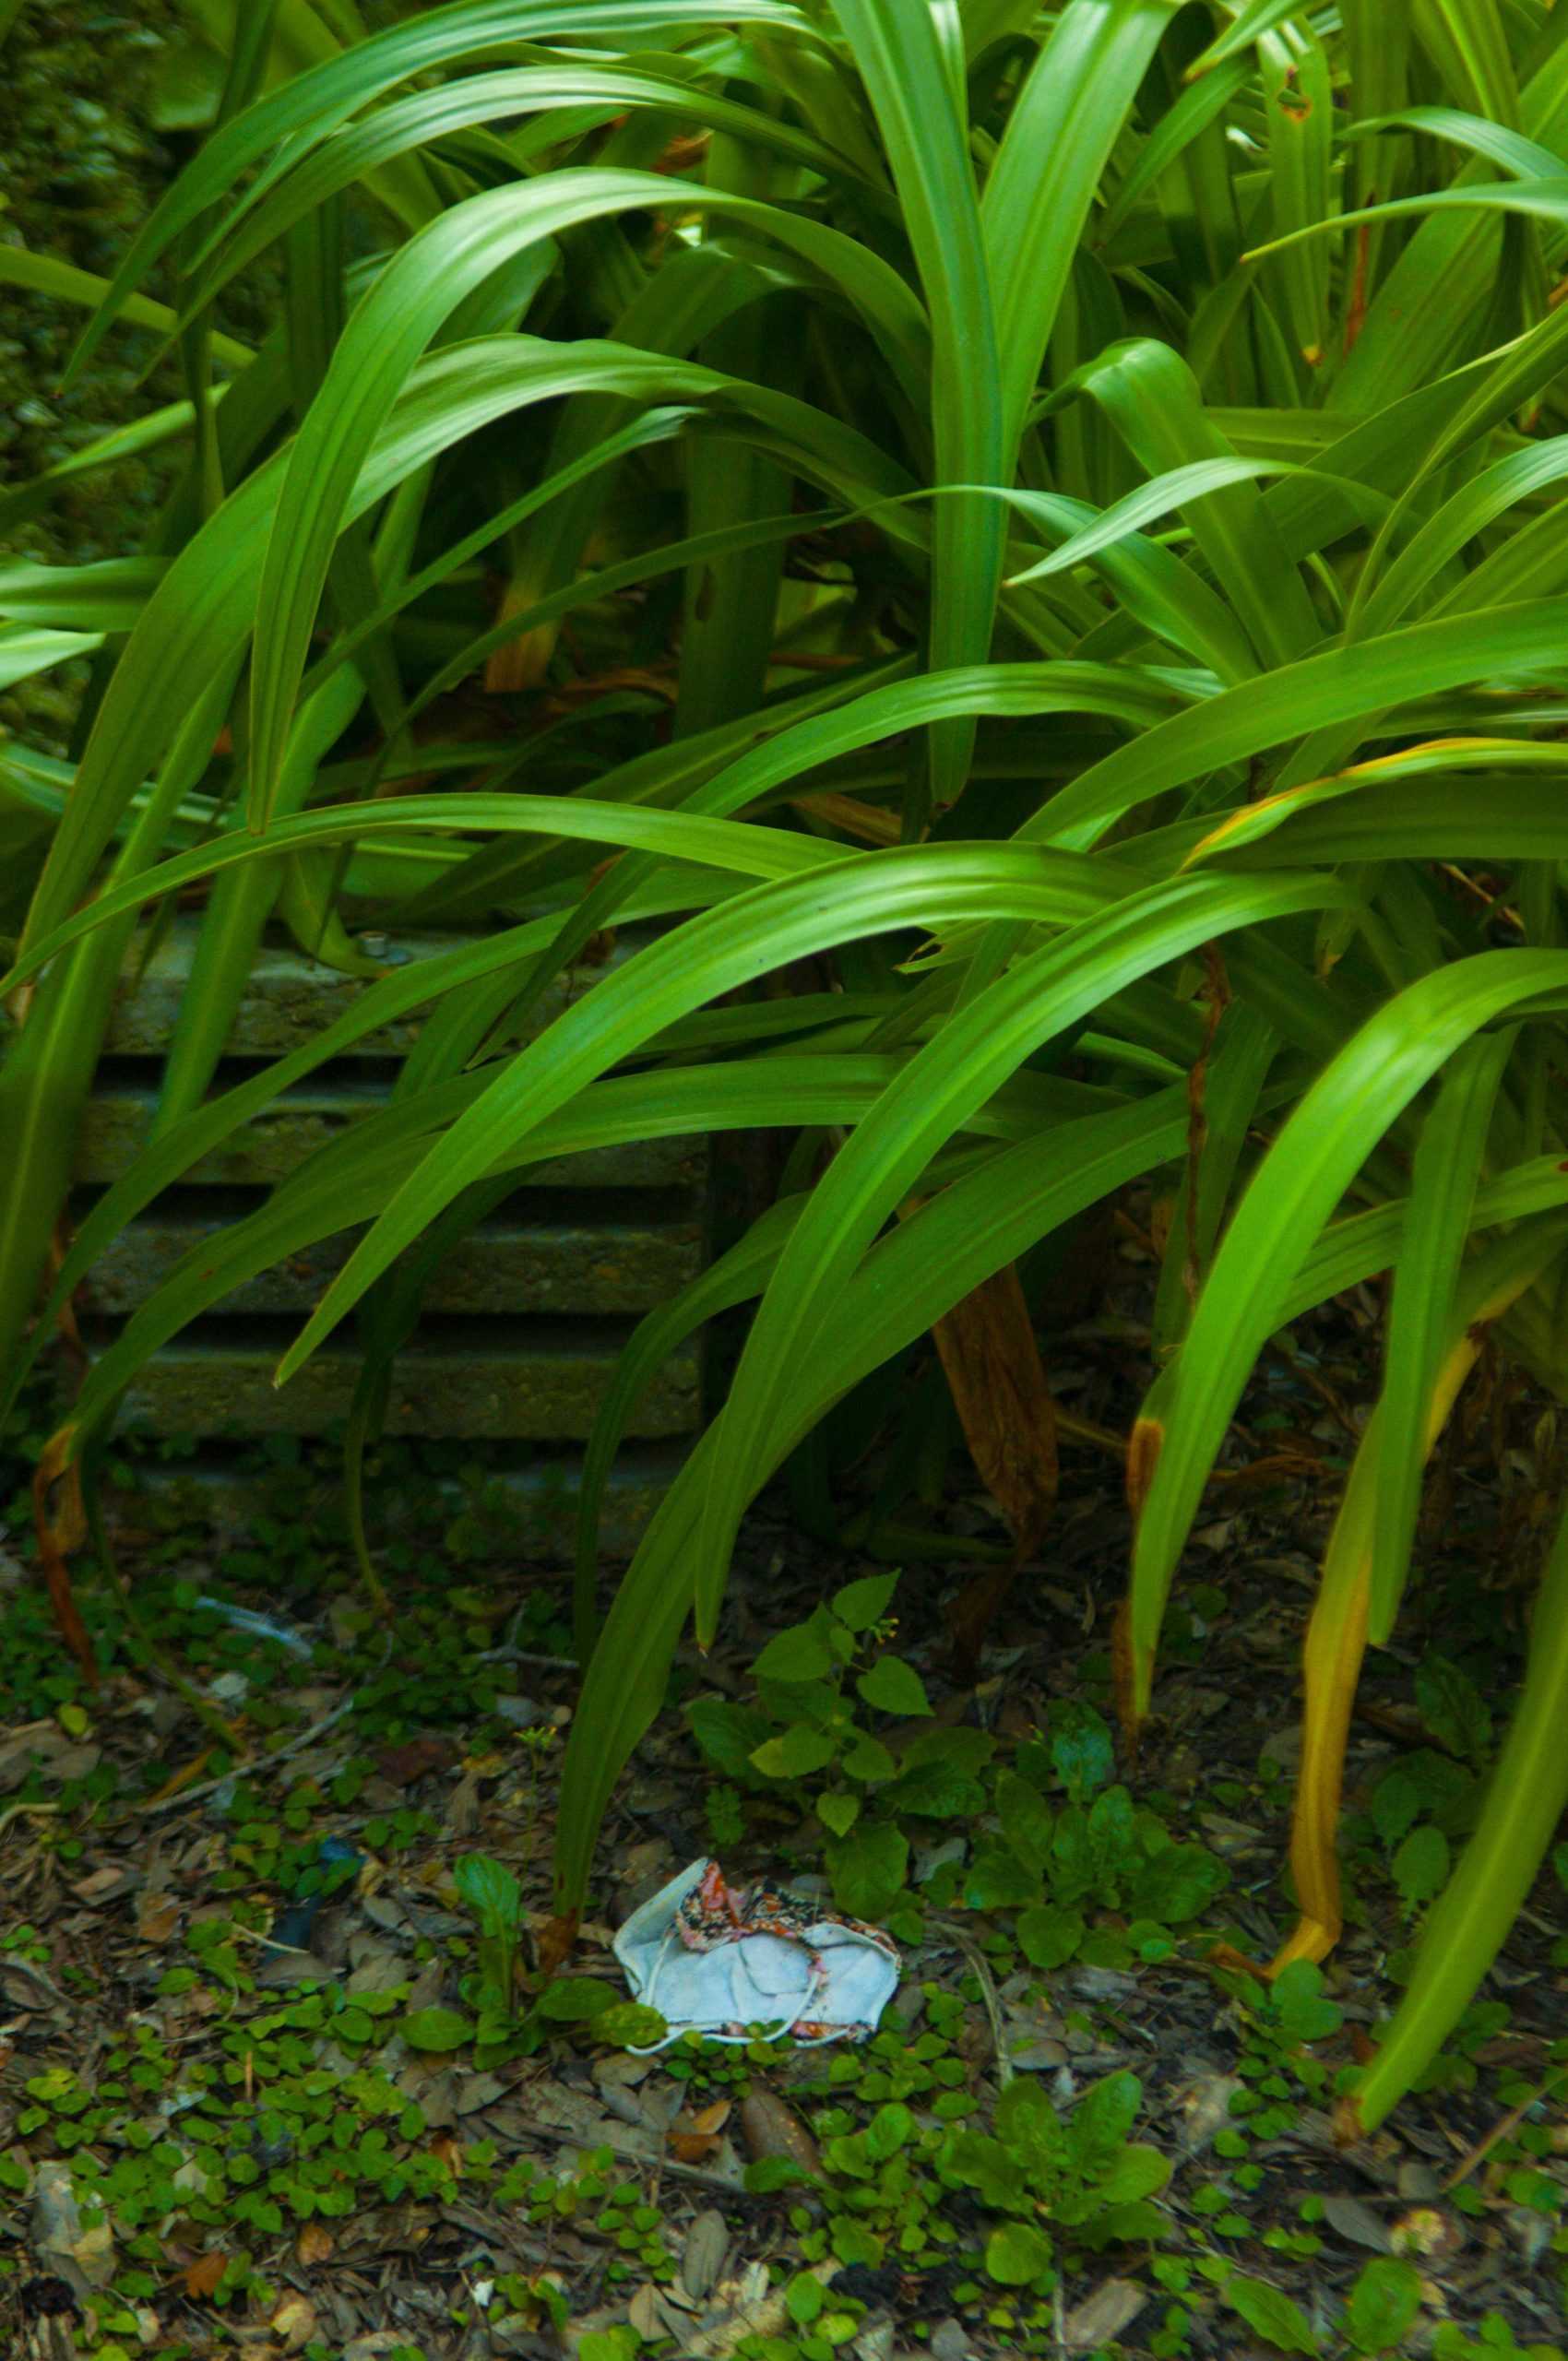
pixel 1039 530
pixel 273 1998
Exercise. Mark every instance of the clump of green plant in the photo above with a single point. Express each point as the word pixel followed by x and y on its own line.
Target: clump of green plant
pixel 1282 2019
pixel 902 2173
pixel 1058 1868
pixel 821 1685
pixel 491 1891
pixel 509 2022
pixel 1494 2341
pixel 1078 2175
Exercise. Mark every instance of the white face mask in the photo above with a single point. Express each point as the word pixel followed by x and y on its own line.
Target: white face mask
pixel 736 1963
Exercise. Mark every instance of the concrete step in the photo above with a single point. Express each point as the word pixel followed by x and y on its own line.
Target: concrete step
pixel 303 1119
pixel 542 1383
pixel 289 999
pixel 606 1266
pixel 522 1327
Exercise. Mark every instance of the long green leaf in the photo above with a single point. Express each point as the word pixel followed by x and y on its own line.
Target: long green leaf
pixel 384 340
pixel 1426 1279
pixel 989 1037
pixel 919 105
pixel 1346 685
pixel 1525 1800
pixel 1313 1160
pixel 879 893
pixel 313 106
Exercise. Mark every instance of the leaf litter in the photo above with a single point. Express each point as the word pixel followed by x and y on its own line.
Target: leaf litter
pixel 253 2101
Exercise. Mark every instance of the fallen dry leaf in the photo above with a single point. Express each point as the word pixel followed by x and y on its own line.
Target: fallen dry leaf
pixel 203 2275
pixel 702 2258
pixel 644 2313
pixel 293 2321
pixel 1101 2317
pixel 106 1884
pixel 1356 2223
pixel 158 1914
pixel 313 2243
pixel 462 1805
pixel 415 1758
pixel 769 2128
pixel 695 2137
pixel 94 2255
pixel 85 2258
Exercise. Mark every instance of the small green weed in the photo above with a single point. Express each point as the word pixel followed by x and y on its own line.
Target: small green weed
pixel 1078 2174
pixel 806 1735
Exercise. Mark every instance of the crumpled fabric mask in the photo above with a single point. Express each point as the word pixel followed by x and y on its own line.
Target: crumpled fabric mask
pixel 721 1959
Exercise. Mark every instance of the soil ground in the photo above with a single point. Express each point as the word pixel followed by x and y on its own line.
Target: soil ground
pixel 240 1993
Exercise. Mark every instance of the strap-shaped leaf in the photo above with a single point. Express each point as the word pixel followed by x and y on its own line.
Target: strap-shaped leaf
pixel 1313 1161
pixel 912 1276
pixel 1524 1799
pixel 1426 1284
pixel 311 106
pixel 987 1038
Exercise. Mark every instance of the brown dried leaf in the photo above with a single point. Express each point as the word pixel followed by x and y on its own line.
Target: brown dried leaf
pixel 314 2244
pixel 1356 2223
pixel 769 2128
pixel 293 2321
pixel 702 2258
pixel 645 2315
pixel 996 1377
pixel 107 1883
pixel 462 1806
pixel 476 2091
pixel 56 2217
pixel 94 2255
pixel 158 1914
pixel 415 1758
pixel 1101 2317
pixel 625 2106
pixel 203 2275
pixel 695 2137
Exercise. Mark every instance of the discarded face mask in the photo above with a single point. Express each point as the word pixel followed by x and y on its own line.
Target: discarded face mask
pixel 724 1960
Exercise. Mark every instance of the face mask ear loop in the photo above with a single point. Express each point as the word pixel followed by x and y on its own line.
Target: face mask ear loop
pixel 652 2049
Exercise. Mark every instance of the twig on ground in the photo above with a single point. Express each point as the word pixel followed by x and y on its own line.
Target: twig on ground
pixel 295 1745
pixel 528 1656
pixel 662 2160
pixel 963 1940
pixel 1505 2126
pixel 16 1811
